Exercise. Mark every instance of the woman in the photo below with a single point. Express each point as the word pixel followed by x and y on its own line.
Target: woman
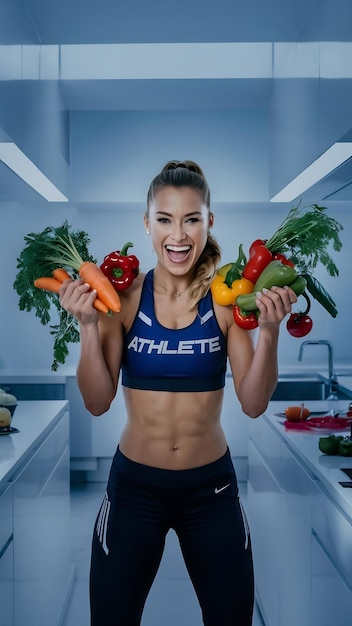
pixel 172 468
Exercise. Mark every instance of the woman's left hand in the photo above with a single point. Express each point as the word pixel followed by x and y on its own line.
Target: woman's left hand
pixel 274 304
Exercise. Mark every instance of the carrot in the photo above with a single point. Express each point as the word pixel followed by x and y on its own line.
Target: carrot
pixel 61 274
pixel 92 274
pixel 53 284
pixel 48 283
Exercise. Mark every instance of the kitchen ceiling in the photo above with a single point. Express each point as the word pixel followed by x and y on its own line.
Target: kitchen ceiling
pixel 64 37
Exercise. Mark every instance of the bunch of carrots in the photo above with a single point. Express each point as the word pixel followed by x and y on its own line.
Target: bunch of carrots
pixel 64 252
pixel 107 299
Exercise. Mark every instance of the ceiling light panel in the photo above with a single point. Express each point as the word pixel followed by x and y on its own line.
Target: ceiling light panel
pixel 19 163
pixel 337 154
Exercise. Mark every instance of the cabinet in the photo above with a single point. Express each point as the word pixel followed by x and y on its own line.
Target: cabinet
pixel 331 563
pixel 279 513
pixel 302 540
pixel 41 501
pixel 331 591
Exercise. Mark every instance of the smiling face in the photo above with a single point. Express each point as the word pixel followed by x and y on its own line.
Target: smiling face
pixel 178 222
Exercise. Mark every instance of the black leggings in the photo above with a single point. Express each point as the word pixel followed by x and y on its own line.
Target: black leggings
pixel 140 506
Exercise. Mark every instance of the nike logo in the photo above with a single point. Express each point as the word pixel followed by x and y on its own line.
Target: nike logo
pixel 218 489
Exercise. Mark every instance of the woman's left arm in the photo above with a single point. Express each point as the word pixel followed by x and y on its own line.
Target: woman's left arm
pixel 255 371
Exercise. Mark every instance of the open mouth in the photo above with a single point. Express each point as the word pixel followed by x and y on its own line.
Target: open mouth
pixel 178 253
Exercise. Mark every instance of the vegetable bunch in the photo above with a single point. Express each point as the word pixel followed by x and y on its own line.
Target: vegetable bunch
pixel 297 246
pixel 44 263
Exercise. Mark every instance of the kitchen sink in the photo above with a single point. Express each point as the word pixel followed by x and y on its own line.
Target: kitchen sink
pixel 300 389
pixel 305 387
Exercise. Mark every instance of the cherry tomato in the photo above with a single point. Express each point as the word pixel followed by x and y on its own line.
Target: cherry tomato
pixel 277 256
pixel 299 325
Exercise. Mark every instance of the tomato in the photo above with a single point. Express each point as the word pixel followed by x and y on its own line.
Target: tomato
pixel 247 321
pixel 296 413
pixel 277 256
pixel 299 325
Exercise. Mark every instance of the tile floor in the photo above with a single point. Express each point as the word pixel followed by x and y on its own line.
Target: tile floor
pixel 85 502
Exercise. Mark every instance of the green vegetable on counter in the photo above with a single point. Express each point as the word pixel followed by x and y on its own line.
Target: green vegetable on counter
pixel 330 444
pixel 345 447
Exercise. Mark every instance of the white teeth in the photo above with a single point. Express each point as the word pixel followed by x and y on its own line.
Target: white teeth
pixel 178 248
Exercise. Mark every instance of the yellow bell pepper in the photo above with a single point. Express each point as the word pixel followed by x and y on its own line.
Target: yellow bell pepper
pixel 226 296
pixel 222 271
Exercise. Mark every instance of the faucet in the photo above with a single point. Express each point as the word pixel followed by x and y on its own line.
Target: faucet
pixel 332 378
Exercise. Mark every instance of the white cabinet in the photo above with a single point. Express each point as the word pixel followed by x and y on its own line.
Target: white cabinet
pixel 6 557
pixel 302 540
pixel 279 512
pixel 331 591
pixel 42 567
pixel 331 563
pixel 263 511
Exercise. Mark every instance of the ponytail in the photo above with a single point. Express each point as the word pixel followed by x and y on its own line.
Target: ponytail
pixel 206 269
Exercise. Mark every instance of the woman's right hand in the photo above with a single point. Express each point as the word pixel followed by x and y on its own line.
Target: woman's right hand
pixel 77 298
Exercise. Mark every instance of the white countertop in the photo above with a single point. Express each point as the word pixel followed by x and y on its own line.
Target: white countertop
pixel 304 445
pixel 36 375
pixel 345 383
pixel 34 419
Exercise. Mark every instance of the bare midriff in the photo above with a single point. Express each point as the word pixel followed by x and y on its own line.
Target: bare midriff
pixel 173 430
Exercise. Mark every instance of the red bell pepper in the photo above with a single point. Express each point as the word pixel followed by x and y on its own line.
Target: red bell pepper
pixel 254 246
pixel 260 257
pixel 121 268
pixel 245 320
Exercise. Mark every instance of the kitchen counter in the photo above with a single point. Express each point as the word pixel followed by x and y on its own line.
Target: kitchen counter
pixel 304 445
pixel 36 569
pixel 34 420
pixel 345 383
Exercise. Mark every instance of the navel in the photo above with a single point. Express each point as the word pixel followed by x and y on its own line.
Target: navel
pixel 175 447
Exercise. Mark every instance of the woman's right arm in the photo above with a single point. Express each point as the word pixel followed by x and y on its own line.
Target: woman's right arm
pixel 101 342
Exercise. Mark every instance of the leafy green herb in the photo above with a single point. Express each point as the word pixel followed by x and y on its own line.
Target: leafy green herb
pixel 304 236
pixel 32 264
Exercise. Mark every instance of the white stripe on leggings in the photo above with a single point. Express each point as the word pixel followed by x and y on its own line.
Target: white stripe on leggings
pixel 245 523
pixel 102 523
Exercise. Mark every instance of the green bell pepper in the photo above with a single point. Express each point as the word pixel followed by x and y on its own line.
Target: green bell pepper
pixel 330 444
pixel 274 274
pixel 345 447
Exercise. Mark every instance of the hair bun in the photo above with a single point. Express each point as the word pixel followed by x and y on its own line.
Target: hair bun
pixel 188 165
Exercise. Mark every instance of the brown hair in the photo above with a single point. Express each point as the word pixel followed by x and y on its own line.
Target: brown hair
pixel 189 174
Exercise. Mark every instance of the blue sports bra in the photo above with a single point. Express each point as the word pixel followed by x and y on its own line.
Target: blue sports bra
pixel 163 359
